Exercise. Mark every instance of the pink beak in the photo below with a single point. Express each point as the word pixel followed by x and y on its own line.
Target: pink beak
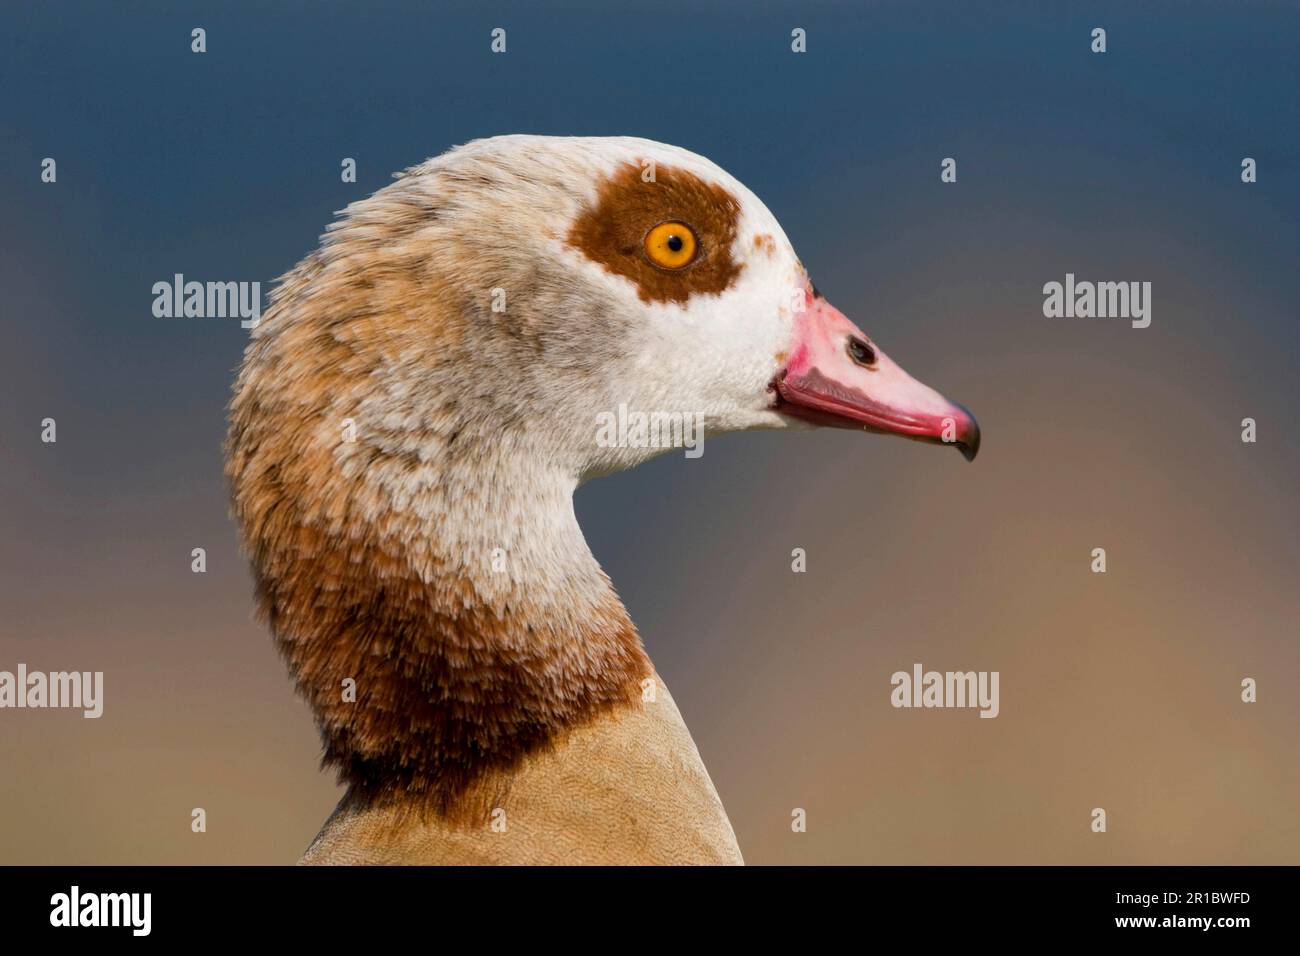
pixel 837 377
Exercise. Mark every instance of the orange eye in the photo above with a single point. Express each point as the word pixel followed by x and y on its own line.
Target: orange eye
pixel 670 245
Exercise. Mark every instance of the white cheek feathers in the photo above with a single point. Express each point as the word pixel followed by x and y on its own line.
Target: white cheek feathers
pixel 703 337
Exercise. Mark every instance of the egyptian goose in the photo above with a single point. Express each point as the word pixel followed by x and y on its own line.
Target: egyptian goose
pixel 410 422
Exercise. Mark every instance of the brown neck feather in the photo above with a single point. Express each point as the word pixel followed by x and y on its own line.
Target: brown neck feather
pixel 459 676
pixel 370 557
pixel 449 694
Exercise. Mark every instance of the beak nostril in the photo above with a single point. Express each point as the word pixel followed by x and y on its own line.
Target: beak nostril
pixel 861 352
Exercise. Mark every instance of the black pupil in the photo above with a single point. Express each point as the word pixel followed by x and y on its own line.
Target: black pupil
pixel 862 353
pixel 675 243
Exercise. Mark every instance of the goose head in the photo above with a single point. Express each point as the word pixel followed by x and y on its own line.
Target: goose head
pixel 708 309
pixel 571 277
pixel 425 392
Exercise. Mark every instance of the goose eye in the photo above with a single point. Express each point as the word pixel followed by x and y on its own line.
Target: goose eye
pixel 670 245
pixel 861 352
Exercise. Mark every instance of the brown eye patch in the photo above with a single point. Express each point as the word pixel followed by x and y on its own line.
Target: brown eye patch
pixel 612 232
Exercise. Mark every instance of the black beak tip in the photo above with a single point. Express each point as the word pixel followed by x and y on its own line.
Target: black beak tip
pixel 969 443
